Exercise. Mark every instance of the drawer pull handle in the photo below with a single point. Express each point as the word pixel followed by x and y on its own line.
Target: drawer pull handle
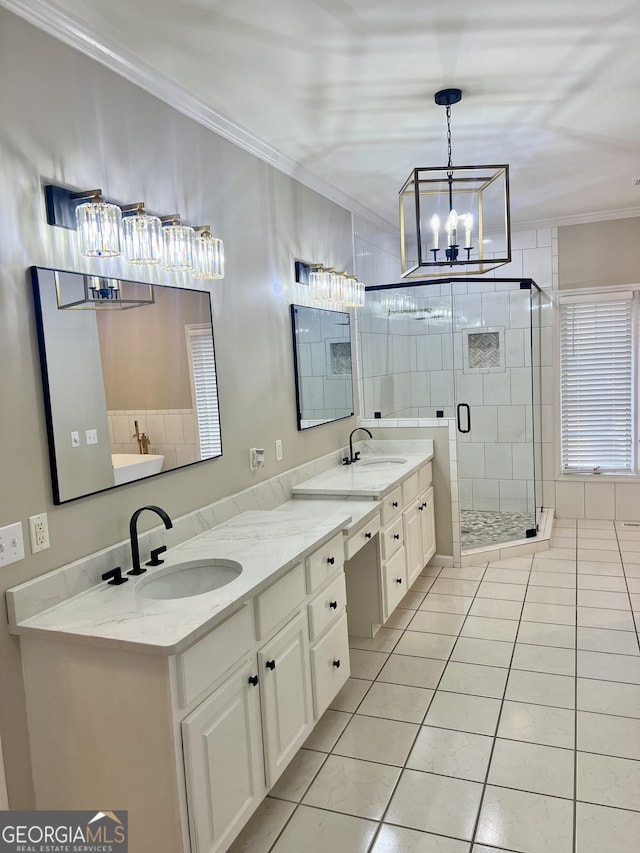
pixel 368 534
pixel 270 664
pixel 395 504
pixel 396 535
pixel 253 680
pixel 398 580
pixel 333 605
pixel 331 560
pixel 336 663
pixel 421 507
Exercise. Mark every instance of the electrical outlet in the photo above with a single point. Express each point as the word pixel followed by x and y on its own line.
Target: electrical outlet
pixel 11 544
pixel 39 532
pixel 91 436
pixel 279 450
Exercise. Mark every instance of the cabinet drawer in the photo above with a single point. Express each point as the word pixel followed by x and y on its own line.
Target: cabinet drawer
pixel 391 505
pixel 200 666
pixel 394 582
pixel 360 538
pixel 327 606
pixel 324 562
pixel 425 476
pixel 392 538
pixel 330 665
pixel 410 488
pixel 279 601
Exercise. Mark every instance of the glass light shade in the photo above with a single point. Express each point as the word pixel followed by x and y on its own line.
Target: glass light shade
pixel 142 235
pixel 99 229
pixel 209 257
pixel 316 280
pixel 335 287
pixel 359 294
pixel 349 288
pixel 178 242
pixel 324 286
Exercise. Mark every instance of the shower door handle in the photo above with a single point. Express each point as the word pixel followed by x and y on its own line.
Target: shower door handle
pixel 459 407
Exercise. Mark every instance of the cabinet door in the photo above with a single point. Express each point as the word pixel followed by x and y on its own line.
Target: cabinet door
pixel 330 665
pixel 428 526
pixel 394 582
pixel 413 542
pixel 222 743
pixel 285 691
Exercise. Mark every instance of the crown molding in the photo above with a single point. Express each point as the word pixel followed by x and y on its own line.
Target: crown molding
pixel 579 219
pixel 128 65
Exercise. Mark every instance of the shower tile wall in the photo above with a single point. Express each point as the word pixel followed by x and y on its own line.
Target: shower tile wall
pixel 408 372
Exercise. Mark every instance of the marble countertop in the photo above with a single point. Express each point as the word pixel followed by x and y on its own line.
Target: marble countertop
pixel 266 543
pixel 363 480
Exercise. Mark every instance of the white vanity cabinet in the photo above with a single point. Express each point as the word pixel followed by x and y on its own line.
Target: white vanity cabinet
pixel 285 694
pixel 225 732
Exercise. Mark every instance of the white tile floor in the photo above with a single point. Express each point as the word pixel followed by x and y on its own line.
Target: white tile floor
pixel 498 710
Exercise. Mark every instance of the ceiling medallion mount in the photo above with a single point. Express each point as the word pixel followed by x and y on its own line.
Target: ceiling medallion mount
pixel 448 97
pixel 471 201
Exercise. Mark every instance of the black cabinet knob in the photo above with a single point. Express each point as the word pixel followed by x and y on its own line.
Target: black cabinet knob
pixel 396 536
pixel 395 504
pixel 253 680
pixel 398 580
pixel 336 663
pixel 421 507
pixel 115 575
pixel 331 560
pixel 270 664
pixel 333 605
pixel 368 534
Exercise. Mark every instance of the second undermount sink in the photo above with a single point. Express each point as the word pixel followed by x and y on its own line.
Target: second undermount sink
pixel 378 464
pixel 184 580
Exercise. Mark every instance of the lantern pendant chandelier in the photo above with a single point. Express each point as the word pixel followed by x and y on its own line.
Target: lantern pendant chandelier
pixel 470 202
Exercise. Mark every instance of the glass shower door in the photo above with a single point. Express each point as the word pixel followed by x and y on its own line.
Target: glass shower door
pixel 494 390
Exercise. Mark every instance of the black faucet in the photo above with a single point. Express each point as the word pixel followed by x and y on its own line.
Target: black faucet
pixel 133 534
pixel 354 457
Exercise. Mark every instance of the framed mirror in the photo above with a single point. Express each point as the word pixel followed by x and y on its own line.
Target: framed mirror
pixel 129 379
pixel 322 362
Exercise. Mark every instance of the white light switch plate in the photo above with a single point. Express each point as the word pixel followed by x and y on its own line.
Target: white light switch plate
pixel 279 450
pixel 11 544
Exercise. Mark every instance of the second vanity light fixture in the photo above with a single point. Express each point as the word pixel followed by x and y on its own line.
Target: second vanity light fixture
pixel 108 230
pixel 326 284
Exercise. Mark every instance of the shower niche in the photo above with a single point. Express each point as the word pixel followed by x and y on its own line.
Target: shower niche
pixel 469 351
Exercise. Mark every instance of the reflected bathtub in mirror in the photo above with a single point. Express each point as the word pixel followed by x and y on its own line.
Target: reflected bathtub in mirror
pixel 132 377
pixel 322 361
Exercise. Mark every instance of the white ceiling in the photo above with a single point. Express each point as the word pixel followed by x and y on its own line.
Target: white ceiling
pixel 340 92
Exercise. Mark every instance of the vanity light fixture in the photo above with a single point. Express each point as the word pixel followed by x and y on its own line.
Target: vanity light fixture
pixel 209 254
pixel 142 235
pixel 448 212
pixel 178 244
pixel 327 285
pixel 108 230
pixel 99 226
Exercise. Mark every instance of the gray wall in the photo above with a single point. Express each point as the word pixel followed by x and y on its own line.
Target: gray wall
pixel 65 118
pixel 599 253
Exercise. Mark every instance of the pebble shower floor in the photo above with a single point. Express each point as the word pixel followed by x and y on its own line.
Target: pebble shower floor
pixel 498 710
pixel 483 527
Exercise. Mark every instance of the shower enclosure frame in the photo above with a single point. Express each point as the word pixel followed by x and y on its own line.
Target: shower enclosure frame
pixel 461 408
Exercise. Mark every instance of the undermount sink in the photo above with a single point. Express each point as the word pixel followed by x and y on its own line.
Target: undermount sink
pixel 187 579
pixel 381 463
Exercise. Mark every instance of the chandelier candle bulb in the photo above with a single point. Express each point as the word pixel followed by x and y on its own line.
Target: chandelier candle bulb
pixel 452 228
pixel 435 227
pixel 468 223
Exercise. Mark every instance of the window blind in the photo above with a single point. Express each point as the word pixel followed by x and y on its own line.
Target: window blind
pixel 205 390
pixel 596 370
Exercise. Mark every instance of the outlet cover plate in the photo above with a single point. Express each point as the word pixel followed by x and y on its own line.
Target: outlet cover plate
pixel 39 532
pixel 11 544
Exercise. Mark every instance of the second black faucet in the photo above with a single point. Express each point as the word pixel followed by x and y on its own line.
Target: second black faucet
pixel 348 460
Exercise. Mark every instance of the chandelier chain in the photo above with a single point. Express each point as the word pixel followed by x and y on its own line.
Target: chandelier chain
pixel 449 136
